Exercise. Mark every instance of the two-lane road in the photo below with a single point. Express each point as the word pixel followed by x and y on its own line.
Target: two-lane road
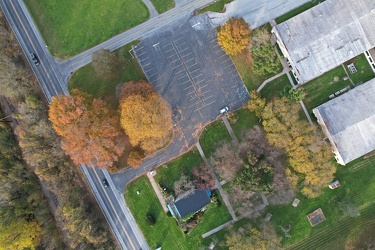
pixel 110 201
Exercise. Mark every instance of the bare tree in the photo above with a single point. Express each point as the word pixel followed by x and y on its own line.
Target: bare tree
pixel 183 185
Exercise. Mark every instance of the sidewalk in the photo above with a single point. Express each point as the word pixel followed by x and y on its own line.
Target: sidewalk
pixel 157 192
pixel 221 191
pixel 229 128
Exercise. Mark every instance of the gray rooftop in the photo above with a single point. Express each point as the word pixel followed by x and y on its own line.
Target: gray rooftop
pixel 328 34
pixel 350 121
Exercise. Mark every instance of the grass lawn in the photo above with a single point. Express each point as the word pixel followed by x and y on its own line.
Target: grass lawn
pixel 275 87
pixel 297 11
pixel 69 27
pixel 171 172
pixel 86 80
pixel 162 6
pixel 364 71
pixel 357 188
pixel 212 135
pixel 166 233
pixel 242 120
pixel 217 6
pixel 318 90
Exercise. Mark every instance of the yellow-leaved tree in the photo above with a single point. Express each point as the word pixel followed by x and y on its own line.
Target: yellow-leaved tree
pixel 145 116
pixel 234 36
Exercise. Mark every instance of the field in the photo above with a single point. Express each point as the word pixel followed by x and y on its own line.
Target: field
pixel 212 136
pixel 346 208
pixel 162 6
pixel 86 80
pixel 69 27
pixel 297 11
pixel 217 6
pixel 166 233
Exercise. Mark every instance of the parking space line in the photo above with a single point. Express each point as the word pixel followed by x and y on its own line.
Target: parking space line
pixel 193 70
pixel 191 65
pixel 189 60
pixel 184 50
pixel 181 44
pixel 225 61
pixel 146 71
pixel 153 75
pixel 144 59
pixel 188 88
pixel 183 56
pixel 230 65
pixel 181 77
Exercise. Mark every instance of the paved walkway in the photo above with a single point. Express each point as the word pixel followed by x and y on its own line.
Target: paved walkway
pixel 306 112
pixel 221 191
pixel 151 8
pixel 157 192
pixel 346 72
pixel 229 128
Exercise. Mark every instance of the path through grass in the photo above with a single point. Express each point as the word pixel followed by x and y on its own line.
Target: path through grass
pixel 69 27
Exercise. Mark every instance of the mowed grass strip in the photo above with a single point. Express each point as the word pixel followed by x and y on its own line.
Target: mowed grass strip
pixel 69 27
pixel 218 6
pixel 86 80
pixel 357 187
pixel 297 11
pixel 162 6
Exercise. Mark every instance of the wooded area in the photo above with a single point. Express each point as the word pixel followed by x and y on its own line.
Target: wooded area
pixel 308 154
pixel 77 214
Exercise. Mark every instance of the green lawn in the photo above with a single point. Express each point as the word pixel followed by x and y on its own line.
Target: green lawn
pixel 242 120
pixel 212 136
pixel 357 186
pixel 297 11
pixel 162 6
pixel 69 27
pixel 166 233
pixel 364 71
pixel 318 90
pixel 275 87
pixel 171 172
pixel 86 80
pixel 244 66
pixel 217 6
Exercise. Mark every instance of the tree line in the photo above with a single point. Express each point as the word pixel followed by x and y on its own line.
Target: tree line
pixel 41 150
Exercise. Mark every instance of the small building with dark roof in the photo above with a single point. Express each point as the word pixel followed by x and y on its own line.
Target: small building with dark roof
pixel 190 202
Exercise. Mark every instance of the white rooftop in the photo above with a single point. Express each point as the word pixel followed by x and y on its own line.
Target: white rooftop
pixel 328 34
pixel 350 121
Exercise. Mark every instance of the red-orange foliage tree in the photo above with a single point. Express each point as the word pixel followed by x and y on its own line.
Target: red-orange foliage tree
pixel 90 131
pixel 203 177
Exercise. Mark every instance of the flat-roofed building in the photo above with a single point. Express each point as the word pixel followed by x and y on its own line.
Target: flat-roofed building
pixel 326 36
pixel 349 122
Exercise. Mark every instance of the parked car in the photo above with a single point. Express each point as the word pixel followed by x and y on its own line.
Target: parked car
pixel 105 183
pixel 34 58
pixel 224 110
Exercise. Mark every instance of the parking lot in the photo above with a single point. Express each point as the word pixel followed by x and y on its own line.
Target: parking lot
pixel 189 69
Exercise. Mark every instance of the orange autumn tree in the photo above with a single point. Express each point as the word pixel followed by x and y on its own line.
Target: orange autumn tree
pixel 90 131
pixel 234 36
pixel 145 116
